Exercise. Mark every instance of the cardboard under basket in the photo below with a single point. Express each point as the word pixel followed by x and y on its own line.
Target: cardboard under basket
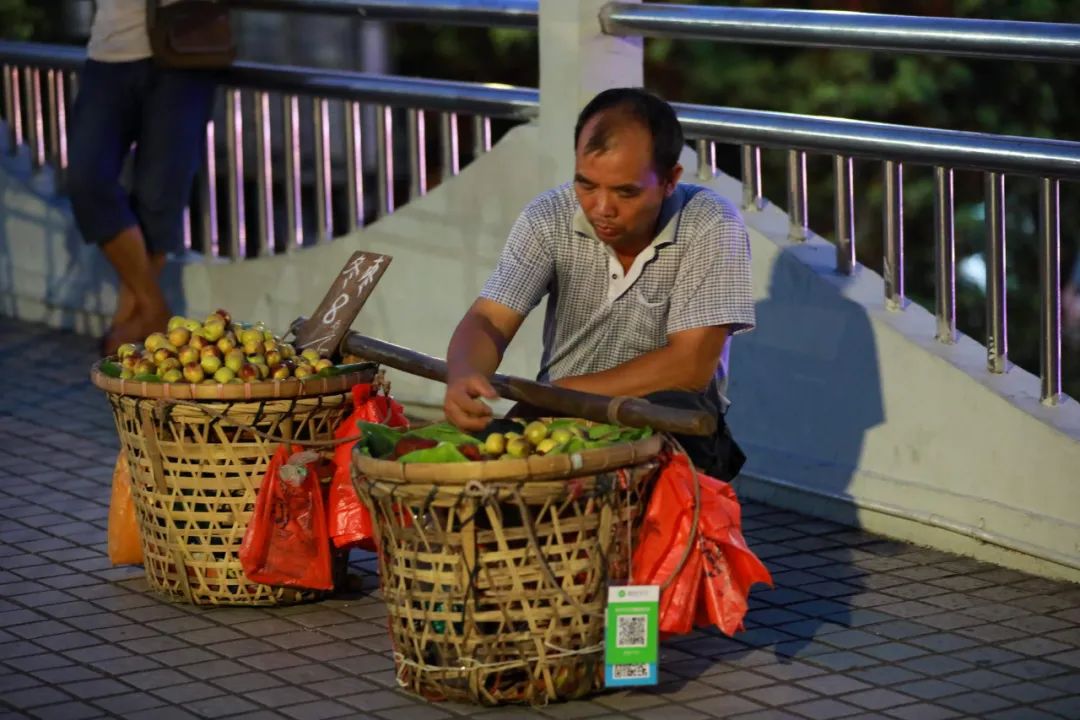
pixel 196 467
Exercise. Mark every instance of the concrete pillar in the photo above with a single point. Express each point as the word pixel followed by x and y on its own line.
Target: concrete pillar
pixel 577 60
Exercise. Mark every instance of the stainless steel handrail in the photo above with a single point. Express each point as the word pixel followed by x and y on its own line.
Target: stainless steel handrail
pixel 485 13
pixel 493 100
pixel 995 39
pixel 928 146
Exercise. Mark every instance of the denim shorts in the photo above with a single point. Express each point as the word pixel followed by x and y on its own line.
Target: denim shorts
pixel 164 114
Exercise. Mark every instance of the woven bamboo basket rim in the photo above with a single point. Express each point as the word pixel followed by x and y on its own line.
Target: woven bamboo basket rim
pixel 261 390
pixel 528 469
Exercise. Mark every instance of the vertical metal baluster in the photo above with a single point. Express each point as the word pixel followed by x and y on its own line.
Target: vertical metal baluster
pixel 451 158
pixel 354 159
pixel 997 339
pixel 234 141
pixel 417 153
pixel 58 125
pixel 294 211
pixel 324 209
pixel 845 215
pixel 385 147
pixel 8 114
pixel 185 225
pixel 265 178
pixel 209 198
pixel 1050 290
pixel 944 256
pixel 35 122
pixel 50 116
pixel 14 118
pixel 799 224
pixel 894 235
pixel 481 135
pixel 706 159
pixel 751 173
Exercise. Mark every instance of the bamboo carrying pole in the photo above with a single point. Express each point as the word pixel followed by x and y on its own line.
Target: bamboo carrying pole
pixel 632 412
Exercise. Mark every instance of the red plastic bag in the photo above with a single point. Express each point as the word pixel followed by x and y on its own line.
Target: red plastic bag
pixel 713 582
pixel 349 520
pixel 286 542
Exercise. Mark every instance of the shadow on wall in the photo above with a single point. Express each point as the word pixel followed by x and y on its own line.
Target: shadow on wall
pixel 806 388
pixel 47 272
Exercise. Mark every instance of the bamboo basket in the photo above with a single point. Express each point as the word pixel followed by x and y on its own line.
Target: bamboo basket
pixel 495 573
pixel 198 454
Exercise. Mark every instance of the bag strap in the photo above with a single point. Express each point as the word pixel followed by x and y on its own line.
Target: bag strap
pixel 151 12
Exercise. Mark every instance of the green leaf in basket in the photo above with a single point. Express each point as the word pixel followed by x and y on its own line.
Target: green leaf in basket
pixel 443 432
pixel 444 452
pixel 378 440
pixel 635 434
pixel 147 377
pixel 110 368
pixel 335 370
pixel 603 432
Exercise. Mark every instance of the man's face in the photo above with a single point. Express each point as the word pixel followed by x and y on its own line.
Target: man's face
pixel 618 188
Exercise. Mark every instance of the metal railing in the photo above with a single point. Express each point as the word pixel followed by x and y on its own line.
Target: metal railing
pixel 483 13
pixel 334 95
pixel 1049 160
pixel 40 122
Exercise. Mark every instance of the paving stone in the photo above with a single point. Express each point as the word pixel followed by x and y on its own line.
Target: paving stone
pixel 1031 669
pixel 893 651
pixel 922 711
pixel 877 699
pixel 886 675
pixel 724 706
pixel 833 685
pixel 842 661
pixel 1037 646
pixel 378 700
pixel 824 709
pixel 1031 692
pixel 153 679
pixel 418 712
pixel 220 706
pixel 181 694
pixel 1066 707
pixel 930 689
pixel 1021 714
pixel 737 680
pixel 246 682
pixel 975 703
pixel 34 697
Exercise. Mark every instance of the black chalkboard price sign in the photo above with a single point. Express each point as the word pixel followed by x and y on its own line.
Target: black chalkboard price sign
pixel 324 330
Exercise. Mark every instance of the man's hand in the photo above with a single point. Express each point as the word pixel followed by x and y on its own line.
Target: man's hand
pixel 462 404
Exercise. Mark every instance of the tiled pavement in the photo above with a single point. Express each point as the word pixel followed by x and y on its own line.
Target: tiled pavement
pixel 857 627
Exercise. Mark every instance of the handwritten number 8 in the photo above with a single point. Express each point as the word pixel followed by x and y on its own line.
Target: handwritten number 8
pixel 331 314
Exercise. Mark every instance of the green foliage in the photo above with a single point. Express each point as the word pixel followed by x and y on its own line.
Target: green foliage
pixel 17 19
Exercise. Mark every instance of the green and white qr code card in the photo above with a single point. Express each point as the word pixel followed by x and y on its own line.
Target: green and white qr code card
pixel 632 639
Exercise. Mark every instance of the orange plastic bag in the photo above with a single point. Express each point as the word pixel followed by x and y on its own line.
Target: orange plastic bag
pixel 349 521
pixel 711 586
pixel 124 545
pixel 286 542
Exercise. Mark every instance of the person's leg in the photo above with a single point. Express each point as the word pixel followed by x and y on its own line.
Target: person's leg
pixel 105 120
pixel 177 106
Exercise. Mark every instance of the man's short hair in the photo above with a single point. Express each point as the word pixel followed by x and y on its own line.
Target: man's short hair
pixel 633 105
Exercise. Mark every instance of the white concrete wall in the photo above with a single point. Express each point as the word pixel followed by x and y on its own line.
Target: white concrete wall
pixel 846 410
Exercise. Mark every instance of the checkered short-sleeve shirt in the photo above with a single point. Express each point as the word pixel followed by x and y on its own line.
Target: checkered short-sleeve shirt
pixel 696 273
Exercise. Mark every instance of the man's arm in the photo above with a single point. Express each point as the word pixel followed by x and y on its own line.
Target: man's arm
pixel 475 351
pixel 687 362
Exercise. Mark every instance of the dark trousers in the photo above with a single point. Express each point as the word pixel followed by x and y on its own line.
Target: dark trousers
pixel 717 455
pixel 164 113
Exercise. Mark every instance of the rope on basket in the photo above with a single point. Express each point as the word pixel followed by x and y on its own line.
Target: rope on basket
pixel 484 492
pixel 167 404
pixel 693 524
pixel 468 664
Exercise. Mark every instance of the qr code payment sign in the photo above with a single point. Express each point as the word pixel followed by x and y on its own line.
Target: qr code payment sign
pixel 632 631
pixel 627 672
